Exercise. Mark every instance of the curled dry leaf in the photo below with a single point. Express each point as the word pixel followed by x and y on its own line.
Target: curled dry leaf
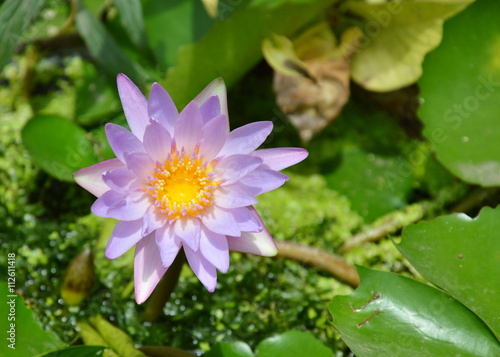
pixel 311 105
pixel 311 77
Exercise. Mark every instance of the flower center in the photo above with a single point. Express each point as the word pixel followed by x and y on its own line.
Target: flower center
pixel 182 185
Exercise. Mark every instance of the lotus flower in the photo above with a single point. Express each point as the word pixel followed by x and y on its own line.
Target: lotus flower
pixel 183 180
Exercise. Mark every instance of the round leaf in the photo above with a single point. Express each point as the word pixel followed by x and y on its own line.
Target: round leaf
pixel 230 349
pixel 23 335
pixel 293 344
pixel 58 145
pixel 460 90
pixel 460 255
pixel 394 315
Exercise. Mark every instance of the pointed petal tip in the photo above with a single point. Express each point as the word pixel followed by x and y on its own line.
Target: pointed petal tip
pixel 216 87
pixel 140 297
pixel 260 243
pixel 90 178
pixel 301 154
pixel 219 81
pixel 155 87
pixel 280 158
pixel 122 79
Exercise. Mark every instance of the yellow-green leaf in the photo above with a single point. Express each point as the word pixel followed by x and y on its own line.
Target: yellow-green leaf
pixel 398 35
pixel 104 333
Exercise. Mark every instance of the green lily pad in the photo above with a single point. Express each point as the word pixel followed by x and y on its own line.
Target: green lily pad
pixel 397 37
pixel 288 344
pixel 59 146
pixel 392 314
pixel 460 91
pixel 23 335
pixel 230 349
pixel 460 255
pixel 293 344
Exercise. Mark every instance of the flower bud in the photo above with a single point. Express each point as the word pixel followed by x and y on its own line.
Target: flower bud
pixel 79 278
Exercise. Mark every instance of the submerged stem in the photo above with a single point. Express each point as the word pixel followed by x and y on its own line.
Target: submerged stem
pixel 163 291
pixel 320 259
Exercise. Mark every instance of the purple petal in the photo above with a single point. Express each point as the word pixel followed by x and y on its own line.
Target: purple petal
pixel 141 164
pixel 261 243
pixel 214 248
pixel 263 180
pixel 210 109
pixel 188 229
pixel 124 236
pixel 220 221
pixel 162 108
pixel 203 269
pixel 281 158
pixel 233 196
pixel 148 268
pixel 247 138
pixel 122 141
pixel 157 141
pixel 188 128
pixel 247 219
pixel 168 244
pixel 152 220
pixel 135 105
pixel 90 178
pixel 133 207
pixel 232 168
pixel 105 201
pixel 214 134
pixel 216 87
pixel 121 180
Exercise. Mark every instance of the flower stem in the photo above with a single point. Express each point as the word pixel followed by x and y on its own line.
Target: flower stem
pixel 163 291
pixel 320 259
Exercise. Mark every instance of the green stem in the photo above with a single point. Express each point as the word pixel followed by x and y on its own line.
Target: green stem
pixel 162 293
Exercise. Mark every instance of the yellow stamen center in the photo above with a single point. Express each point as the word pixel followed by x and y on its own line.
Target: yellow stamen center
pixel 182 185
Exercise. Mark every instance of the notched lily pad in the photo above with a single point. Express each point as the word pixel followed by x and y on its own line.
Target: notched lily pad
pixel 460 92
pixel 58 145
pixel 389 312
pixel 460 255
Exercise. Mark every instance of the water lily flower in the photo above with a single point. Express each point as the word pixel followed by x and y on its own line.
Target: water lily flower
pixel 183 180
